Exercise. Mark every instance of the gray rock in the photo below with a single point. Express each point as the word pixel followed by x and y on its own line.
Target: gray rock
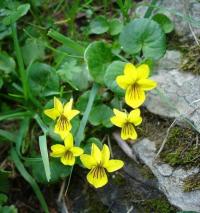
pixel 180 12
pixel 177 94
pixel 170 179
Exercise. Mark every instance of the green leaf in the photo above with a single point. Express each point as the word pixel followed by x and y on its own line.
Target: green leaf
pixel 99 25
pixel 115 27
pixel 3 199
pixel 82 101
pixel 164 21
pixel 4 181
pixel 37 50
pixel 14 15
pixel 4 31
pixel 29 179
pixel 8 209
pixel 97 56
pixel 7 64
pixel 89 142
pixel 57 169
pixel 100 115
pixel 115 69
pixel 42 79
pixel 77 76
pixel 143 35
pixel 44 154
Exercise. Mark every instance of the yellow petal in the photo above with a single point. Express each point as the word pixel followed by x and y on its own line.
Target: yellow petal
pixel 134 117
pixel 130 71
pixel 124 81
pixel 68 159
pixel 96 153
pixel 58 150
pixel 68 105
pixel 71 113
pixel 52 113
pixel 119 119
pixel 114 165
pixel 97 177
pixel 143 71
pixel 58 105
pixel 68 140
pixel 62 126
pixel 105 154
pixel 134 96
pixel 88 161
pixel 128 132
pixel 77 151
pixel 147 84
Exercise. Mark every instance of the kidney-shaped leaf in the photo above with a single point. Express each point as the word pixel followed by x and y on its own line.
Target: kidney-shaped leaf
pixel 164 21
pixel 43 79
pixel 113 70
pixel 143 35
pixel 14 15
pixel 97 56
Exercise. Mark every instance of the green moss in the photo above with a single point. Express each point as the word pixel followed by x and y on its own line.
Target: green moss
pixel 181 148
pixel 191 59
pixel 157 206
pixel 146 172
pixel 192 183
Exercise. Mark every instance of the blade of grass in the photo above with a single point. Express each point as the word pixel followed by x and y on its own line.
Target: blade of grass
pixel 7 135
pixel 80 133
pixel 14 115
pixel 29 179
pixel 45 157
pixel 22 134
pixel 69 43
pixel 22 72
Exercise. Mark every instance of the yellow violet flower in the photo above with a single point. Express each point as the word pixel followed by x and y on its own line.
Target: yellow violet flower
pixel 98 162
pixel 127 122
pixel 135 81
pixel 62 115
pixel 67 152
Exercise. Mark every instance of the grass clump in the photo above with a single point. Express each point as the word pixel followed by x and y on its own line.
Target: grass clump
pixel 182 148
pixel 192 183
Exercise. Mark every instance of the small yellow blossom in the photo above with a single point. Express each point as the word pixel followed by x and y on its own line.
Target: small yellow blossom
pixel 98 162
pixel 127 122
pixel 135 81
pixel 62 115
pixel 67 152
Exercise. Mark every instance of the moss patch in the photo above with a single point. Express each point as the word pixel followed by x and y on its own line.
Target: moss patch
pixel 157 206
pixel 192 183
pixel 191 59
pixel 181 148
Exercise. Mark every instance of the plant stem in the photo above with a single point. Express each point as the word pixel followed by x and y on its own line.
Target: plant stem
pixel 22 72
pixel 150 9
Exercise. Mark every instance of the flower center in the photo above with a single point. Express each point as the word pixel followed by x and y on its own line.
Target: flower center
pixel 63 123
pixel 68 155
pixel 98 172
pixel 128 128
pixel 135 91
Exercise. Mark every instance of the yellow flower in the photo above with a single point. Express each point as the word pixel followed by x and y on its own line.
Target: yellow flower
pixel 62 115
pixel 127 122
pixel 66 152
pixel 98 162
pixel 135 81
